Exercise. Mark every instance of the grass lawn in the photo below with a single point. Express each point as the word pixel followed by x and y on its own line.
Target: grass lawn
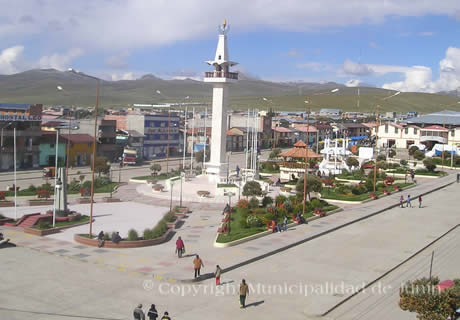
pixel 237 232
pixel 330 194
pixel 419 173
pixel 67 223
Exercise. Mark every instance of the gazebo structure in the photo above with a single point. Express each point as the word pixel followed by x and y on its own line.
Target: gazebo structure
pixel 291 168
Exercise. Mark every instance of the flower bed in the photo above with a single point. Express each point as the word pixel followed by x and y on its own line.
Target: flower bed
pixel 39 202
pixel 60 225
pixel 6 203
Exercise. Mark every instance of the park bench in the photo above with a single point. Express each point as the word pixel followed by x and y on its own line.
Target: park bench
pixel 2 195
pixel 85 192
pixel 43 194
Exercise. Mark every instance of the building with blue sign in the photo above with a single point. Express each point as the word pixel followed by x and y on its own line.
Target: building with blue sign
pixel 26 119
pixel 157 135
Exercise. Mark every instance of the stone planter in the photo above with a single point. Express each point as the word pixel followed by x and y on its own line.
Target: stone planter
pixel 5 203
pixel 172 225
pixel 45 232
pixel 40 202
pixel 111 199
pixel 124 243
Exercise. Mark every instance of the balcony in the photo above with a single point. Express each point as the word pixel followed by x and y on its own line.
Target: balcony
pixel 437 136
pixel 222 74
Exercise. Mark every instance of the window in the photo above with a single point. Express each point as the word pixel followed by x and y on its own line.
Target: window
pixel 406 130
pixel 396 129
pixel 52 146
pixel 415 130
pixel 452 133
pixel 163 124
pixel 386 128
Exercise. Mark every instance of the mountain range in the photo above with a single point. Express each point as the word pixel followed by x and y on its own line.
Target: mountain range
pixel 78 89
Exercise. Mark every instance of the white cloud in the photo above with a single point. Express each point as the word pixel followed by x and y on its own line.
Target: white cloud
pixel 123 76
pixel 356 69
pixel 60 61
pixel 353 83
pixel 292 53
pixel 315 66
pixel 140 23
pixel 117 61
pixel 11 60
pixel 374 45
pixel 416 78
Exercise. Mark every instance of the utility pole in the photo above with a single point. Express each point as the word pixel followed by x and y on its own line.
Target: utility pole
pixel 376 142
pixel 93 162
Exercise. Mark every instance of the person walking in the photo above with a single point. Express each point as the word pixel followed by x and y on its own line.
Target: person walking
pixel 180 247
pixel 218 273
pixel 138 313
pixel 153 313
pixel 197 264
pixel 166 316
pixel 284 224
pixel 420 201
pixel 237 171
pixel 408 201
pixel 401 201
pixel 244 291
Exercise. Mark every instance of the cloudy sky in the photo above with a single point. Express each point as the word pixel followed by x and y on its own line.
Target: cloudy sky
pixel 407 45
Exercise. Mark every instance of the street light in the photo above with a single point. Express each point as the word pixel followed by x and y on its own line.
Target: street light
pixel 182 176
pixel 93 162
pixel 306 148
pixel 377 117
pixel 110 177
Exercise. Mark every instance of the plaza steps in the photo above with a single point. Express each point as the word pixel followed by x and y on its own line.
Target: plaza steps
pixel 21 220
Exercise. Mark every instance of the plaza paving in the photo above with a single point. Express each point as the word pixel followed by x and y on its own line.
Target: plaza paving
pixel 37 281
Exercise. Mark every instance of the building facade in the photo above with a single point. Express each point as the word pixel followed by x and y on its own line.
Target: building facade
pixel 26 119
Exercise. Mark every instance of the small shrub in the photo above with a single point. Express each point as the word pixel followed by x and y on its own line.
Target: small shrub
pixel 315 203
pixel 147 234
pixel 253 221
pixel 287 205
pixel 381 157
pixel 74 186
pixel 280 199
pixel 403 162
pixel 260 211
pixel 132 235
pixel 42 224
pixel 107 236
pixel 242 203
pixel 419 155
pixel 32 188
pixel 253 203
pixel 159 230
pixel 429 164
pixel 243 224
pixel 170 217
pixel 242 211
pixel 266 201
pixel 46 186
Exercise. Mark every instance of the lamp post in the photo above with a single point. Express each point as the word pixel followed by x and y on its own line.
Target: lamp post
pixel 110 177
pixel 55 176
pixel 182 176
pixel 119 169
pixel 170 197
pixel 94 145
pixel 377 117
pixel 306 149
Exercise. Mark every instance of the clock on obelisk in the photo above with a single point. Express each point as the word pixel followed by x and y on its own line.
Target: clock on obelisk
pixel 217 168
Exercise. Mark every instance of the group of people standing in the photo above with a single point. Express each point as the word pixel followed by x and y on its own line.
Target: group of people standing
pixel 408 201
pixel 152 314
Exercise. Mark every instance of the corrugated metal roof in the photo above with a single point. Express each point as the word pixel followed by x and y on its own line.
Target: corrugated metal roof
pixel 15 106
pixel 448 117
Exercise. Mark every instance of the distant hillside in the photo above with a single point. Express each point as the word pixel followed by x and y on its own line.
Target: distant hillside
pixel 39 86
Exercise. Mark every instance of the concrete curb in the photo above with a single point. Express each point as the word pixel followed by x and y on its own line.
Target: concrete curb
pixel 387 272
pixel 294 244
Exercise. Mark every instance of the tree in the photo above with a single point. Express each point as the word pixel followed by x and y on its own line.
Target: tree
pixel 274 154
pixel 155 168
pixel 423 297
pixel 403 162
pixel 412 150
pixel 429 164
pixel 418 155
pixel 314 184
pixel 352 162
pixel 101 166
pixel 252 188
pixel 199 156
pixel 391 153
pixel 381 157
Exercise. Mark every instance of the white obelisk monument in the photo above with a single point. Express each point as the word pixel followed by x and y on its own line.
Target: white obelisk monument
pixel 220 78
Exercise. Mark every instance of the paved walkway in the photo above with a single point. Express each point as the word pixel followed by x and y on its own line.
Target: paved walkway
pixel 199 232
